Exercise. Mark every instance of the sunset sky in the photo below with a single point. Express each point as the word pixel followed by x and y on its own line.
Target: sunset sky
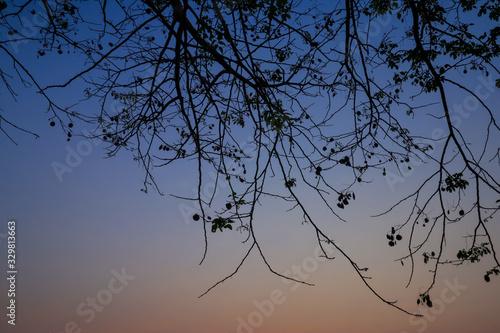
pixel 72 234
pixel 97 255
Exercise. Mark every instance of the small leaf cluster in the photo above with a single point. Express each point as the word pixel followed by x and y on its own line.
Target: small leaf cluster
pixel 344 199
pixel 428 256
pixel 474 253
pixel 495 271
pixel 283 54
pixel 221 223
pixel 290 183
pixel 382 7
pixel 454 182
pixel 277 118
pixel 345 161
pixel 393 238
pixel 425 299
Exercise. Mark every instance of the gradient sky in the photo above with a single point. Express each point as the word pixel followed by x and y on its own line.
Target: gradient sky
pixel 76 235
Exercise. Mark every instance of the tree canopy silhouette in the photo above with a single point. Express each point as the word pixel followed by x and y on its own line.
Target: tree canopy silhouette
pixel 291 92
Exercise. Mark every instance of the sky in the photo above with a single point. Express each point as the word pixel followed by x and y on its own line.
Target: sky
pixel 95 254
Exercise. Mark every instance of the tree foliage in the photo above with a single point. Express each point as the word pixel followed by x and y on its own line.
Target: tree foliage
pixel 294 92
